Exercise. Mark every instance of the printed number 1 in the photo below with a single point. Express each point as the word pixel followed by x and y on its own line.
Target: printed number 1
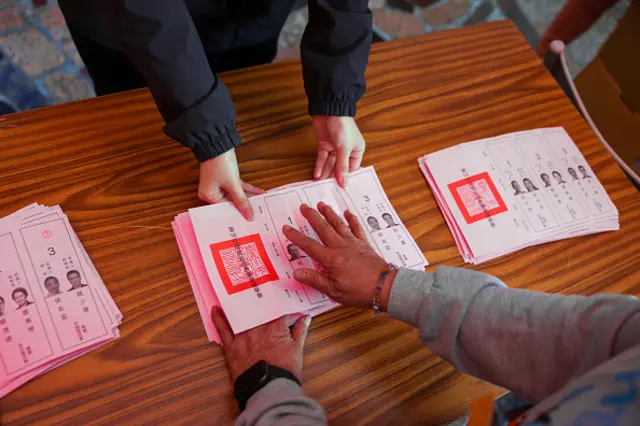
pixel 290 221
pixel 51 251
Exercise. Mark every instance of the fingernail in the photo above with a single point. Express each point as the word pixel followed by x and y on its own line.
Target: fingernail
pixel 286 228
pixel 321 204
pixel 298 274
pixel 307 320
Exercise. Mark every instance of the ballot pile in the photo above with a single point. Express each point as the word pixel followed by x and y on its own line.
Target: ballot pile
pixel 54 307
pixel 506 193
pixel 246 268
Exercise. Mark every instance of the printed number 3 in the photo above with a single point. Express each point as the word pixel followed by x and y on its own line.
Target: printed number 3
pixel 51 251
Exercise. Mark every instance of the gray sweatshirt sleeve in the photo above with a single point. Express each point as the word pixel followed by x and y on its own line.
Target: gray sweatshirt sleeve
pixel 532 343
pixel 281 403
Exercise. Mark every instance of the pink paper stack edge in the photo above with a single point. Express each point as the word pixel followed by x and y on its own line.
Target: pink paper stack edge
pixel 203 291
pixel 29 214
pixel 461 242
pixel 458 237
pixel 43 369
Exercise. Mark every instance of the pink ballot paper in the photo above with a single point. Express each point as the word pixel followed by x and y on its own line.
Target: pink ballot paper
pixel 246 268
pixel 502 194
pixel 53 305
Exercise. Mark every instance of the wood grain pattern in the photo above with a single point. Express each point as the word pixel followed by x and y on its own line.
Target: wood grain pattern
pixel 107 162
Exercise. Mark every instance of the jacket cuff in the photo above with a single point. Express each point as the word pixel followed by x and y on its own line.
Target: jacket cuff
pixel 205 150
pixel 208 127
pixel 404 300
pixel 335 108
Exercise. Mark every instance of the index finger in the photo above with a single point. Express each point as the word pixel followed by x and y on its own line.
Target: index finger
pixel 342 165
pixel 308 245
pixel 324 230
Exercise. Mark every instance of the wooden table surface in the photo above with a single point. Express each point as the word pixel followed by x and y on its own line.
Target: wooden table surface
pixel 107 162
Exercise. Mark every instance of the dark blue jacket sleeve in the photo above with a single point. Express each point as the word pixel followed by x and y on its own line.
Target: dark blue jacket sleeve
pixel 159 37
pixel 335 51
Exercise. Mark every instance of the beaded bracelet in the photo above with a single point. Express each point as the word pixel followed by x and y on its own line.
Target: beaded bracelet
pixel 383 276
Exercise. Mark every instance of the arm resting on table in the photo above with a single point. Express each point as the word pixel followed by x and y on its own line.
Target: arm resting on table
pixel 159 37
pixel 532 343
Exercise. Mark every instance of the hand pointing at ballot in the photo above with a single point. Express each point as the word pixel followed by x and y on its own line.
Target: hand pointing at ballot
pixel 220 181
pixel 340 147
pixel 352 266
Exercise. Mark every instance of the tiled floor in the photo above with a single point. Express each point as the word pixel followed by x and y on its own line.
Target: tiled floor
pixel 41 66
pixel 37 46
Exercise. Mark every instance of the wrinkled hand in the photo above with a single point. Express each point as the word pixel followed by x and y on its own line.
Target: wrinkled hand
pixel 340 147
pixel 272 342
pixel 352 266
pixel 220 181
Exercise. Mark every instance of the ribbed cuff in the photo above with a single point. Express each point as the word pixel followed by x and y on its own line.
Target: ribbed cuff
pixel 334 108
pixel 216 146
pixel 404 301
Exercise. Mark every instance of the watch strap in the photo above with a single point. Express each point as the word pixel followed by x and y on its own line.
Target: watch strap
pixel 256 378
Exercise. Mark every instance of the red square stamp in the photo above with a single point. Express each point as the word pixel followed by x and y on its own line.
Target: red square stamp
pixel 477 197
pixel 243 263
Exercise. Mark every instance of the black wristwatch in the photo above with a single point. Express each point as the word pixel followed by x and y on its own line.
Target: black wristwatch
pixel 257 377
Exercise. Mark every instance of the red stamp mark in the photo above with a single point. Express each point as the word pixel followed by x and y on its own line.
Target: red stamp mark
pixel 477 197
pixel 47 234
pixel 243 263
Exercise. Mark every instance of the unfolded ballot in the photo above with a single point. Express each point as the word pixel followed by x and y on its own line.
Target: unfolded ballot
pixel 54 306
pixel 502 194
pixel 246 268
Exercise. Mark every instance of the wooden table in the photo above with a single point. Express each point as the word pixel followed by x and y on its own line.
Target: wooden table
pixel 121 181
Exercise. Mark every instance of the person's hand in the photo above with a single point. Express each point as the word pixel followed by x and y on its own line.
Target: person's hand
pixel 272 342
pixel 340 147
pixel 352 266
pixel 220 181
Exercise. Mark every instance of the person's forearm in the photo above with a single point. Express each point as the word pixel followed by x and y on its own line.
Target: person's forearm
pixel 160 39
pixel 529 342
pixel 574 19
pixel 335 50
pixel 281 403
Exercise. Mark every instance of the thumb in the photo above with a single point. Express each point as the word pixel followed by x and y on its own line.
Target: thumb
pixel 240 199
pixel 300 329
pixel 313 279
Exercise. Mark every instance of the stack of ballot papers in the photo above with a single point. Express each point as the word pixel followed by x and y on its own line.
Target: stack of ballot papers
pixel 502 194
pixel 53 305
pixel 246 268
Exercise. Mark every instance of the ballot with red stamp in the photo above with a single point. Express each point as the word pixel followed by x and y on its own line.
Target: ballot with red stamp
pixel 250 265
pixel 505 193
